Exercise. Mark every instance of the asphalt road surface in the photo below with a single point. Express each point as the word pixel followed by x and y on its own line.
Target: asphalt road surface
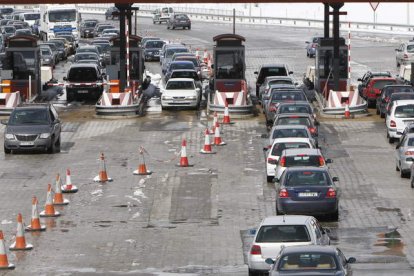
pixel 196 220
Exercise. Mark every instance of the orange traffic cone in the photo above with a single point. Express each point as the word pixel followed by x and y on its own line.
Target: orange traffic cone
pixel 20 243
pixel 207 145
pixel 4 263
pixel 35 222
pixel 102 176
pixel 347 114
pixel 49 208
pixel 142 168
pixel 215 120
pixel 69 187
pixel 217 137
pixel 184 159
pixel 58 197
pixel 226 118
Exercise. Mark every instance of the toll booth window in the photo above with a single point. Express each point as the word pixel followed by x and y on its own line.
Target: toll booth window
pixel 326 60
pixel 62 16
pixel 22 63
pixel 135 65
pixel 230 64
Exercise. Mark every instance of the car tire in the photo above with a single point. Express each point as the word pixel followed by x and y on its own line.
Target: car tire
pixel 189 27
pixel 403 174
pixel 398 64
pixel 252 273
pixel 278 213
pixel 51 149
pixel 173 27
pixel 307 54
pixel 390 140
pixel 397 168
pixel 57 146
pixel 334 216
pixel 269 178
pixel 7 151
pixel 412 183
pixel 382 115
pixel 168 27
pixel 378 112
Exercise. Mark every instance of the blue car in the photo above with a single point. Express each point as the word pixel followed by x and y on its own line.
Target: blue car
pixel 307 191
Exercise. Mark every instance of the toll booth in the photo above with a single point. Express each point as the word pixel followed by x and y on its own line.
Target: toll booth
pixel 136 61
pixel 229 74
pixel 21 66
pixel 324 81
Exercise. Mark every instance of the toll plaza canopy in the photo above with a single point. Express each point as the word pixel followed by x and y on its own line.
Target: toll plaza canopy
pixel 17 2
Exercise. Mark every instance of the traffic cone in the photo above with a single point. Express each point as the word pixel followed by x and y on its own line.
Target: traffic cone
pixel 226 118
pixel 35 222
pixel 58 197
pixel 20 243
pixel 4 263
pixel 215 120
pixel 347 114
pixel 142 168
pixel 184 159
pixel 102 176
pixel 69 187
pixel 49 208
pixel 207 145
pixel 217 137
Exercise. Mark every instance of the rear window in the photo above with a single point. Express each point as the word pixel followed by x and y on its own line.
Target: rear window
pixel 272 71
pixel 82 74
pixel 290 132
pixel 279 147
pixel 307 178
pixel 283 233
pixel 32 16
pixel 295 109
pixel 90 24
pixel 173 85
pixel 402 96
pixel 379 84
pixel 280 82
pixel 184 74
pixel 293 121
pixel 404 111
pixel 307 261
pixel 280 96
pixel 181 17
pixel 154 44
pixel 303 160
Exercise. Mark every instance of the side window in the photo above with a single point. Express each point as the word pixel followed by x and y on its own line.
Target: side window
pixel 54 112
pixel 342 257
pixel 52 116
pixel 315 228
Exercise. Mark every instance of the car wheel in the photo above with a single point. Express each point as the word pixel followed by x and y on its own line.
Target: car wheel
pixel 57 146
pixel 51 149
pixel 382 115
pixel 189 27
pixel 412 183
pixel 334 216
pixel 278 213
pixel 7 151
pixel 398 64
pixel 397 168
pixel 307 54
pixel 403 174
pixel 390 140
pixel 173 27
pixel 252 273
pixel 378 112
pixel 269 178
pixel 168 27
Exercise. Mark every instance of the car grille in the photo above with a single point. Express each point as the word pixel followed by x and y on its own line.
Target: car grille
pixel 28 137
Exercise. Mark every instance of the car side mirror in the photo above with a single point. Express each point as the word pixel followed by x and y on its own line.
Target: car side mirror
pixel 397 146
pixel 335 179
pixel 269 261
pixel 65 78
pixel 57 121
pixel 359 79
pixel 328 161
pixel 326 230
pixel 351 260
pixel 290 72
pixel 255 72
pixel 4 122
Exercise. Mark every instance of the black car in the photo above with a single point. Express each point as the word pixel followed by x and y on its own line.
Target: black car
pixel 32 127
pixel 112 13
pixel 369 75
pixel 179 20
pixel 87 28
pixel 267 70
pixel 152 49
pixel 386 92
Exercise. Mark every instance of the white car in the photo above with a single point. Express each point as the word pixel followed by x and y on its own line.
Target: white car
pixel 277 231
pixel 278 146
pixel 399 115
pixel 181 92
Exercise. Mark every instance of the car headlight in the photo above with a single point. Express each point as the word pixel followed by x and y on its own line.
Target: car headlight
pixel 191 98
pixel 44 135
pixel 87 31
pixel 166 98
pixel 9 136
pixel 47 59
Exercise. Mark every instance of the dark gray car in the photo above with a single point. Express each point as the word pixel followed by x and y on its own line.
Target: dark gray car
pixel 32 127
pixel 179 20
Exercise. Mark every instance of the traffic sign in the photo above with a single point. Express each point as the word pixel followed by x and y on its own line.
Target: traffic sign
pixel 374 5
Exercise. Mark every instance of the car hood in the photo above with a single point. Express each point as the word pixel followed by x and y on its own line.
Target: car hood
pixel 309 273
pixel 152 49
pixel 28 129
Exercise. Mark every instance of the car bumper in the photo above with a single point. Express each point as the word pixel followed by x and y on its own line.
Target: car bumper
pixel 178 103
pixel 312 51
pixel 152 56
pixel 317 207
pixel 38 144
pixel 395 133
pixel 406 165
pixel 84 91
pixel 270 169
pixel 257 263
pixel 182 25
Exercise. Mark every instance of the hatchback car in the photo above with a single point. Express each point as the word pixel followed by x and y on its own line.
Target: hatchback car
pixel 276 149
pixel 404 154
pixel 179 20
pixel 87 28
pixel 307 191
pixel 296 107
pixel 385 96
pixel 400 114
pixel 269 81
pixel 404 54
pixel 267 70
pixel 311 260
pixel 369 75
pixel 46 57
pixel 32 127
pixel 176 65
pixel 373 89
pixel 277 232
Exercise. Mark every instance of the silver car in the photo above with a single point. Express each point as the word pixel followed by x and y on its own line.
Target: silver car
pixel 404 155
pixel 404 54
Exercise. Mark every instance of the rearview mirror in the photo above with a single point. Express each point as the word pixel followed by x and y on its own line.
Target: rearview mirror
pixel 328 161
pixel 359 79
pixel 351 260
pixel 255 72
pixel 65 78
pixel 335 179
pixel 270 261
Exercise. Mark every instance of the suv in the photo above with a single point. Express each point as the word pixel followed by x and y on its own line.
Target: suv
pixel 270 70
pixel 276 232
pixel 84 80
pixel 32 127
pixel 179 20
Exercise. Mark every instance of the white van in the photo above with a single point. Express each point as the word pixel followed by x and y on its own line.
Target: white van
pixel 399 115
pixel 29 17
pixel 162 14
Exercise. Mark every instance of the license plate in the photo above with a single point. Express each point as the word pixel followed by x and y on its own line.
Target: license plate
pixel 83 91
pixel 26 143
pixel 183 21
pixel 308 194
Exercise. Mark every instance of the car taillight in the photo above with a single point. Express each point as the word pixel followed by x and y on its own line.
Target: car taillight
pixel 271 161
pixel 393 124
pixel 331 193
pixel 321 161
pixel 312 130
pixel 256 250
pixel 282 161
pixel 409 152
pixel 283 193
pixel 273 108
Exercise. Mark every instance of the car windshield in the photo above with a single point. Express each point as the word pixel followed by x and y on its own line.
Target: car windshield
pixel 410 48
pixel 295 109
pixel 62 15
pixel 154 44
pixel 23 117
pixel 404 111
pixel 379 84
pixel 280 96
pixel 82 74
pixel 290 132
pixel 271 71
pixel 103 47
pixel 306 178
pixel 45 52
pixel 283 233
pixel 293 121
pixel 86 50
pixel 402 96
pixel 181 17
pixel 9 29
pixel 90 24
pixel 86 56
pixel 304 160
pixel 180 85
pixel 32 16
pixel 279 147
pixel 184 74
pixel 307 261
pixel 193 60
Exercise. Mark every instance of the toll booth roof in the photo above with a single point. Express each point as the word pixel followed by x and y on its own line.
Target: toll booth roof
pixel 21 41
pixel 134 41
pixel 229 40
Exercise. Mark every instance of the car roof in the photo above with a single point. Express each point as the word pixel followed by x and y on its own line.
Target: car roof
pixel 288 127
pixel 273 65
pixel 184 70
pixel 403 102
pixel 286 219
pixel 83 65
pixel 181 79
pixel 382 78
pixel 293 115
pixel 279 78
pixel 328 249
pixel 304 151
pixel 181 62
pixel 304 168
pixel 295 103
pixel 292 139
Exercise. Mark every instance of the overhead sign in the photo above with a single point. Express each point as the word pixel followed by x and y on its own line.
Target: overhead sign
pixel 374 5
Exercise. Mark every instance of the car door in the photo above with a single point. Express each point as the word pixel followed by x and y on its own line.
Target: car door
pixel 400 149
pixel 55 121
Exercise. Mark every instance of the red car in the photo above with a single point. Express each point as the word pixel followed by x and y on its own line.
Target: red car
pixel 373 89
